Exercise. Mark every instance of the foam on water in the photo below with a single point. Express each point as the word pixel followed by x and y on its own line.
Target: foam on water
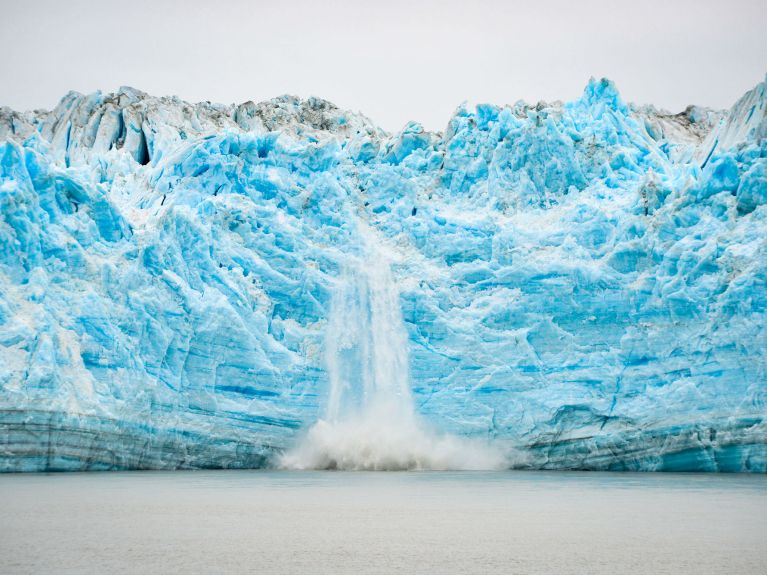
pixel 380 439
pixel 370 421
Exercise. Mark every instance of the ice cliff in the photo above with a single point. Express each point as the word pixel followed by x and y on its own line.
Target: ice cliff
pixel 584 284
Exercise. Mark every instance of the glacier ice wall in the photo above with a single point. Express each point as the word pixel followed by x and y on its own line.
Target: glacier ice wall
pixel 585 284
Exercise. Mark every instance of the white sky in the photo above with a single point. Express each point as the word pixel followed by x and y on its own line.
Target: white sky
pixel 393 60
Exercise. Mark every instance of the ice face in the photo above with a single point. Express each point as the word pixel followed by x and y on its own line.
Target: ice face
pixel 584 284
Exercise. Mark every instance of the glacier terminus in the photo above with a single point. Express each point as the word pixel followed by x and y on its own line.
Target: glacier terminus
pixel 577 285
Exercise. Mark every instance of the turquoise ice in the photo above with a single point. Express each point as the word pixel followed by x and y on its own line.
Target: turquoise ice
pixel 584 285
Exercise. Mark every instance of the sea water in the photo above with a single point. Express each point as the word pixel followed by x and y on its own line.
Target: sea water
pixel 367 522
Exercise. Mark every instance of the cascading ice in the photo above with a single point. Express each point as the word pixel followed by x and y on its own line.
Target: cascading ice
pixel 370 421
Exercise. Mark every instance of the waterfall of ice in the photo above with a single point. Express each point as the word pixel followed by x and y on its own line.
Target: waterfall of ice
pixel 370 421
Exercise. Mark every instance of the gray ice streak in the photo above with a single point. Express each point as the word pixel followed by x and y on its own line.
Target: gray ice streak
pixel 370 421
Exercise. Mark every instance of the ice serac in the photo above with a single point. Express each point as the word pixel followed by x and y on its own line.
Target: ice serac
pixel 583 284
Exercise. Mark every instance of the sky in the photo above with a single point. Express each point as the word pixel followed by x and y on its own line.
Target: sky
pixel 392 60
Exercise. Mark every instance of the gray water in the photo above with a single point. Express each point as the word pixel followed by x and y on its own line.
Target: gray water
pixel 413 522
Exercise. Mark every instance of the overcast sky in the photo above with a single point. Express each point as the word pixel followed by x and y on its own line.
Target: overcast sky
pixel 392 60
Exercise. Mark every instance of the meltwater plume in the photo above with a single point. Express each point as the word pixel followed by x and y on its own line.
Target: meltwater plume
pixel 370 421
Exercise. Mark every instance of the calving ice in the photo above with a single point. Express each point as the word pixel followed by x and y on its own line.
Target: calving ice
pixel 579 285
pixel 370 421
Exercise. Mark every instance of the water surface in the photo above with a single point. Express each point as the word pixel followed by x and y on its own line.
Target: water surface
pixel 337 522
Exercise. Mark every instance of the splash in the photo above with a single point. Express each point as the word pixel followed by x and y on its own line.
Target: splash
pixel 370 421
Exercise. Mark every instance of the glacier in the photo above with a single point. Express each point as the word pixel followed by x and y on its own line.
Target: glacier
pixel 581 284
